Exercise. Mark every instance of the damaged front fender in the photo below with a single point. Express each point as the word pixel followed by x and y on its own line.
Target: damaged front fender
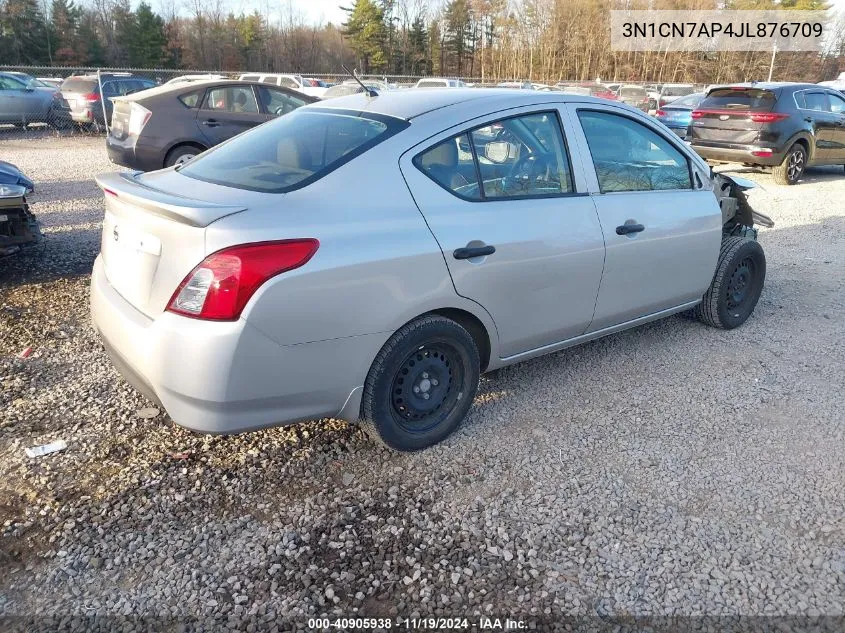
pixel 738 218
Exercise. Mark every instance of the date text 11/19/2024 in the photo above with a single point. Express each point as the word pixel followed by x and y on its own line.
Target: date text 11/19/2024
pixel 481 623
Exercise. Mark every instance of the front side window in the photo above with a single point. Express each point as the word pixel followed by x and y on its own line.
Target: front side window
pixel 8 83
pixel 628 156
pixel 817 101
pixel 518 157
pixel 292 151
pixel 235 99
pixel 278 102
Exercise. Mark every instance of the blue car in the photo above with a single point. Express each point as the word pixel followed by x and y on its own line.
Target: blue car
pixel 677 115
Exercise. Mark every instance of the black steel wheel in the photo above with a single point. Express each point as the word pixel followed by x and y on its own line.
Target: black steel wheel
pixel 421 385
pixel 736 286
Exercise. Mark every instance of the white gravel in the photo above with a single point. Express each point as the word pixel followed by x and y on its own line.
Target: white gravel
pixel 670 470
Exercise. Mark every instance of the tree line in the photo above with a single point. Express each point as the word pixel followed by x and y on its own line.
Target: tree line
pixel 539 40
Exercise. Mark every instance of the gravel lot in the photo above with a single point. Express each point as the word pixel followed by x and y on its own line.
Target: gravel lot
pixel 670 470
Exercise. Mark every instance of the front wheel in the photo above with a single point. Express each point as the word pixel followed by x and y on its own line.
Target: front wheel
pixel 421 385
pixel 736 286
pixel 792 168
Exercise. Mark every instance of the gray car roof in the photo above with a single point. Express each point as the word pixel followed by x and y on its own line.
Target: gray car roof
pixel 407 104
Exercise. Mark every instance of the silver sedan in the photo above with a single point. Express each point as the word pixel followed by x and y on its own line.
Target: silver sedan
pixel 368 257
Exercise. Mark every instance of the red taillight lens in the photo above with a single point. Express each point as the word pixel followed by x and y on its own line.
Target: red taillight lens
pixel 697 114
pixel 92 96
pixel 768 117
pixel 660 113
pixel 221 286
pixel 762 152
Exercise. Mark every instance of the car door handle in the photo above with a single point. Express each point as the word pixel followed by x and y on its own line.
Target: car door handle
pixel 625 229
pixel 808 119
pixel 211 123
pixel 474 251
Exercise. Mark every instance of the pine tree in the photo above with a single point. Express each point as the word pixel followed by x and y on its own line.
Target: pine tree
pixel 367 34
pixel 147 47
pixel 24 38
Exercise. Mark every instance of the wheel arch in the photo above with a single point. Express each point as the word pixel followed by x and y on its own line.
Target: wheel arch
pixel 181 143
pixel 471 324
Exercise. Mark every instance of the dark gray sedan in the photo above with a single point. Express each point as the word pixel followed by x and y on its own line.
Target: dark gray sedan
pixel 25 100
pixel 169 125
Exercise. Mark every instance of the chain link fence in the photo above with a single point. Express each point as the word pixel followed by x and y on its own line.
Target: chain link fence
pixel 45 106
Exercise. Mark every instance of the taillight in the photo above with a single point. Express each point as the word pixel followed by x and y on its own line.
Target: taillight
pixel 763 152
pixel 696 114
pixel 660 113
pixel 91 97
pixel 138 117
pixel 223 283
pixel 768 117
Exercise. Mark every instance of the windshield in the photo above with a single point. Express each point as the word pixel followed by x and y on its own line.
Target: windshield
pixel 739 99
pixel 292 151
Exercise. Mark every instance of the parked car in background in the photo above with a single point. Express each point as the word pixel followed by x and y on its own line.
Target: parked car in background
pixel 351 87
pixel 677 116
pixel 670 92
pixel 291 82
pixel 356 262
pixel 439 82
pixel 634 96
pixel 592 89
pixel 653 92
pixel 18 226
pixel 25 100
pixel 91 108
pixel 543 87
pixel 194 78
pixel 786 126
pixel 171 124
pixel 55 82
pixel 614 88
pixel 519 85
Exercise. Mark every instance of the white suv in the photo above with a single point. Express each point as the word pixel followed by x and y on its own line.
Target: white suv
pixel 294 82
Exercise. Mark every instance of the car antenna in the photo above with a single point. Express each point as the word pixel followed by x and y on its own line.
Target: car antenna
pixel 370 92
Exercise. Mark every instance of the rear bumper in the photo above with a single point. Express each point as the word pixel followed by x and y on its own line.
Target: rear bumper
pixel 227 377
pixel 736 154
pixel 134 155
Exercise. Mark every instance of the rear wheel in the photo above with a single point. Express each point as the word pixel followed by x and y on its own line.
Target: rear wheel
pixel 792 168
pixel 181 155
pixel 421 384
pixel 736 286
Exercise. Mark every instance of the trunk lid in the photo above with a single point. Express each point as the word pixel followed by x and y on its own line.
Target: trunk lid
pixel 725 115
pixel 152 239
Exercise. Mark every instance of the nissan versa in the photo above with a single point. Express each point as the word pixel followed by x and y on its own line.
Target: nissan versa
pixel 368 257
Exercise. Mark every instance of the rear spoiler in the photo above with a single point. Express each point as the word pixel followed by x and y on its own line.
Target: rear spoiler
pixel 126 188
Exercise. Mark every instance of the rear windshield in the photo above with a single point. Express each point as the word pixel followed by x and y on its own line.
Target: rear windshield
pixel 431 84
pixel 342 91
pixel 739 99
pixel 678 91
pixel 73 84
pixel 292 151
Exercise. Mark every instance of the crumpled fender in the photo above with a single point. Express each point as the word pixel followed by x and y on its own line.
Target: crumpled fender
pixel 730 191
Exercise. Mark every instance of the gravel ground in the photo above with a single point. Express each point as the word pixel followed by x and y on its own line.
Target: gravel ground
pixel 673 470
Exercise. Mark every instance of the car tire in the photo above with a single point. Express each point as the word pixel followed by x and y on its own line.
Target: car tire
pixel 181 154
pixel 789 172
pixel 421 384
pixel 736 286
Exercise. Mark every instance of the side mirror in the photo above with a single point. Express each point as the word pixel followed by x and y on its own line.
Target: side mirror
pixel 499 151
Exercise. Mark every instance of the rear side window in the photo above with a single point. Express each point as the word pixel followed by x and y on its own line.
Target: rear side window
pixel 678 91
pixel 269 80
pixel 754 99
pixel 628 156
pixel 292 151
pixel 287 82
pixel 518 157
pixel 235 99
pixel 191 99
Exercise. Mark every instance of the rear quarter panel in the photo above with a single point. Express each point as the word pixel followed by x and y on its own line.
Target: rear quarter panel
pixel 170 124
